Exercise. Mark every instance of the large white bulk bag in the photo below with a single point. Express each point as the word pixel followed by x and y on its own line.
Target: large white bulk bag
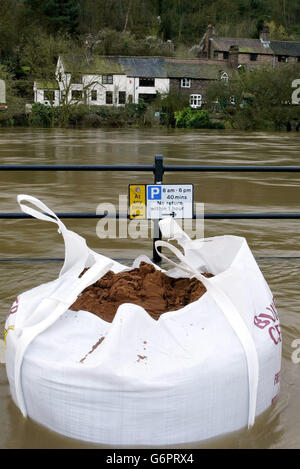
pixel 207 369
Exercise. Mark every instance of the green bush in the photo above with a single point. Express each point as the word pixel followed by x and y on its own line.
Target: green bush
pixel 41 115
pixel 76 115
pixel 195 119
pixel 92 120
pixel 182 117
pixel 199 120
pixel 168 104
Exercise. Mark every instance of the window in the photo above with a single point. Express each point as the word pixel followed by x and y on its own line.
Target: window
pixel 49 96
pixel 146 81
pixel 109 97
pixel 94 95
pixel 195 100
pixel 185 82
pixel 253 57
pixel 77 95
pixel 224 77
pixel 225 55
pixel 59 76
pixel 146 97
pixel 107 79
pixel 282 58
pixel 216 54
pixel 122 97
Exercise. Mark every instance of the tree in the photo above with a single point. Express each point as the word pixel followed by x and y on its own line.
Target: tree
pixel 62 15
pixel 56 15
pixel 260 99
pixel 38 58
pixel 8 29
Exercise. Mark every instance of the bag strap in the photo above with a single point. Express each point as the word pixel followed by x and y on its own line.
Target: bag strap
pixel 233 317
pixel 76 249
pixel 46 214
pixel 64 296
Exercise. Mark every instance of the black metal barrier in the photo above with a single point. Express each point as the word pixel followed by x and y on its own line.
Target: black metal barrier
pixel 158 169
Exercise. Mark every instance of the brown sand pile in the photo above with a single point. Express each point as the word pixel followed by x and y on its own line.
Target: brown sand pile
pixel 144 286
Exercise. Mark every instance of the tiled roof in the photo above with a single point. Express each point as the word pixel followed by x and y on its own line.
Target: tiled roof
pixel 92 65
pixel 257 46
pixel 249 46
pixel 47 85
pixel 286 48
pixel 146 67
pixel 153 67
pixel 195 68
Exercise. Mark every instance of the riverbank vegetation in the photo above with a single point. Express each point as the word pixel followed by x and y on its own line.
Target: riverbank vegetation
pixel 258 100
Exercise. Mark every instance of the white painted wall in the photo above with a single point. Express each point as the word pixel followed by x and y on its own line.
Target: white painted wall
pixel 39 96
pixel 162 86
pixel 94 82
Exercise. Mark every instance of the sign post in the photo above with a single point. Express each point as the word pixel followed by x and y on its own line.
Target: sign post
pixel 158 200
pixel 158 179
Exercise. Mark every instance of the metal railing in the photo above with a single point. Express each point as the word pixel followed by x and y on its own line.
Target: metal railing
pixel 158 169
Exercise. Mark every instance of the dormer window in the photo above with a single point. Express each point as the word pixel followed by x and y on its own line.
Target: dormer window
pixel 224 77
pixel 185 82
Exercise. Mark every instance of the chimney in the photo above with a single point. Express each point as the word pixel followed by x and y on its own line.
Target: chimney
pixel 210 32
pixel 265 33
pixel 233 59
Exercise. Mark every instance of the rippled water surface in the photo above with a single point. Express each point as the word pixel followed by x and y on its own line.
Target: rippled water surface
pixel 275 243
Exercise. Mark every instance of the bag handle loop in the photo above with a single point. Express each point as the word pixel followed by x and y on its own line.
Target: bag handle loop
pixel 47 214
pixel 76 249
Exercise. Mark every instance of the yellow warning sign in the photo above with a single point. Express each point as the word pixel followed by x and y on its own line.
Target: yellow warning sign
pixel 137 201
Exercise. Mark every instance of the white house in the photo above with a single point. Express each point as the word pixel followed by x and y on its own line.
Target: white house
pixel 103 81
pixel 115 81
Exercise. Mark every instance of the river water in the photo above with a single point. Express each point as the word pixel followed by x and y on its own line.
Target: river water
pixel 275 243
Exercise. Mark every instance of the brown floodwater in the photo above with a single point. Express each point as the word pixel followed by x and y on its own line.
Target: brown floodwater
pixel 275 243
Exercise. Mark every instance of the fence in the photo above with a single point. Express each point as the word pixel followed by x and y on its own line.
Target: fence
pixel 158 169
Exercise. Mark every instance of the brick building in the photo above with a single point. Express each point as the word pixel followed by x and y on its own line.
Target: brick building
pixel 246 51
pixel 193 76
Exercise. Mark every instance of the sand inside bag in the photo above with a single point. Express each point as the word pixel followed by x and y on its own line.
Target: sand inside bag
pixel 144 286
